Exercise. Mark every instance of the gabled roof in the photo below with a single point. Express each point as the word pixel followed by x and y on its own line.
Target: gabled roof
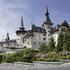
pixel 65 23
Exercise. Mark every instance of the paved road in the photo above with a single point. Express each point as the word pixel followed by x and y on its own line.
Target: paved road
pixel 34 67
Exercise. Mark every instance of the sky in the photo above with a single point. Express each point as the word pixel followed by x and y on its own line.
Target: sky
pixel 12 10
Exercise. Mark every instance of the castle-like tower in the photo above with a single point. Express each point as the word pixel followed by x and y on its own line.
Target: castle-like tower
pixel 21 29
pixel 47 24
pixel 20 33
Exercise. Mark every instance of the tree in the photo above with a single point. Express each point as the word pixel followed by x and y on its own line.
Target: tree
pixel 51 44
pixel 66 41
pixel 69 41
pixel 63 41
pixel 60 42
pixel 28 55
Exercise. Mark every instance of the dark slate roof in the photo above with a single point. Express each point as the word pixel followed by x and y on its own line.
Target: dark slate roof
pixel 47 16
pixel 65 23
pixel 48 19
pixel 29 33
pixel 13 41
pixel 21 30
pixel 59 26
pixel 34 29
pixel 38 29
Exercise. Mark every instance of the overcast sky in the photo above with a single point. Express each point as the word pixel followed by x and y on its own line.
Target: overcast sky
pixel 12 10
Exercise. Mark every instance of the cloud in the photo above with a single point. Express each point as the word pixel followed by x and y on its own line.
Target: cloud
pixel 12 10
pixel 10 13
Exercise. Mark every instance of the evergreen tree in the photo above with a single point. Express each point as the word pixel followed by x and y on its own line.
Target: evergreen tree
pixel 66 41
pixel 63 41
pixel 59 47
pixel 51 44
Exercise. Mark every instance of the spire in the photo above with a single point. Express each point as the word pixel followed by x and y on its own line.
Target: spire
pixel 21 28
pixel 47 13
pixel 47 16
pixel 7 36
pixel 22 22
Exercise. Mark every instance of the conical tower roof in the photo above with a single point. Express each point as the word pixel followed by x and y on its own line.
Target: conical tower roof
pixel 22 25
pixel 7 38
pixel 21 28
pixel 47 16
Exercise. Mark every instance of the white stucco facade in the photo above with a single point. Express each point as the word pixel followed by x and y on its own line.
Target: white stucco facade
pixel 35 36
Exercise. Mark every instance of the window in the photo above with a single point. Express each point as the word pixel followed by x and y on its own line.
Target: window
pixel 39 38
pixel 44 34
pixel 34 42
pixel 25 46
pixel 39 34
pixel 1 44
pixel 31 38
pixel 39 43
pixel 11 44
pixel 7 44
pixel 44 38
pixel 15 43
pixel 34 38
